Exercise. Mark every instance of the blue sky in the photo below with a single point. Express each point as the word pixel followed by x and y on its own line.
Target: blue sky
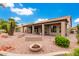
pixel 25 13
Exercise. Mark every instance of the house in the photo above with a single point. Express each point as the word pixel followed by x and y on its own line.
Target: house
pixel 49 27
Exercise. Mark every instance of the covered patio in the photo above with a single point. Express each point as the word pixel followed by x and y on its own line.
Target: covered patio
pixel 44 29
pixel 52 28
pixel 49 27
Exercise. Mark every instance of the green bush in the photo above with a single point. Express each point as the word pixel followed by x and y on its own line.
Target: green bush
pixel 73 53
pixel 62 41
pixel 76 52
pixel 68 54
pixel 77 36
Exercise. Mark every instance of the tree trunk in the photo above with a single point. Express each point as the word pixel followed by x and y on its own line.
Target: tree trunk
pixel 11 31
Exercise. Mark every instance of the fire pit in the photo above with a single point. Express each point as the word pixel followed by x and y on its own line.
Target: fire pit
pixel 35 47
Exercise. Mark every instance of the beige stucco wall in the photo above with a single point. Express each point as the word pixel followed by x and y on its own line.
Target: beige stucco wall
pixel 39 30
pixel 43 29
pixel 63 28
pixel 21 29
pixel 69 24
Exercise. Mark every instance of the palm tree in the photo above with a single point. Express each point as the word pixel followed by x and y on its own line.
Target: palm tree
pixel 11 26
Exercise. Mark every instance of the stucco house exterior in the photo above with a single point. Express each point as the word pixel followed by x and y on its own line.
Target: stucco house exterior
pixel 49 27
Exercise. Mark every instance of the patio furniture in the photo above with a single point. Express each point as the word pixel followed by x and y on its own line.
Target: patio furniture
pixel 35 47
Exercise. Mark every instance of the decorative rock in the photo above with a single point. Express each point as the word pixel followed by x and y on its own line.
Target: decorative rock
pixel 4 35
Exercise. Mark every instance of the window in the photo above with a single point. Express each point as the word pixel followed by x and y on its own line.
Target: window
pixel 53 28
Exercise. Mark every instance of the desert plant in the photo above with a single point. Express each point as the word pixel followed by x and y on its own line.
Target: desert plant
pixel 75 52
pixel 0 27
pixel 3 25
pixel 8 26
pixel 77 28
pixel 62 41
pixel 68 54
pixel 77 36
pixel 11 26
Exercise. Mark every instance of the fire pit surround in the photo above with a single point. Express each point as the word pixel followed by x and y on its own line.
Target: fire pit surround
pixel 35 47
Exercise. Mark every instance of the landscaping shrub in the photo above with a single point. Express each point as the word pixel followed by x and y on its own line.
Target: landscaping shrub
pixel 78 28
pixel 76 52
pixel 73 53
pixel 62 41
pixel 77 36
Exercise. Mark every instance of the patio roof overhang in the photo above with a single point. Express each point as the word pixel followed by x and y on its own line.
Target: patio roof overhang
pixel 49 21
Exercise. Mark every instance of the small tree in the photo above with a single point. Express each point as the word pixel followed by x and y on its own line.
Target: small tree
pixel 3 24
pixel 8 26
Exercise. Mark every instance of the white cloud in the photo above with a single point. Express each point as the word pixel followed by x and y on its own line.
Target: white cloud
pixel 77 20
pixel 23 11
pixel 16 18
pixel 11 4
pixel 40 20
pixel 20 24
pixel 8 5
pixel 19 11
pixel 21 4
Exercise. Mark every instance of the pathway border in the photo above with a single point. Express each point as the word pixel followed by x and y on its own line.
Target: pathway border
pixel 48 54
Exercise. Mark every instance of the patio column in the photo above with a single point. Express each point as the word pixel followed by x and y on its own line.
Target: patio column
pixel 32 29
pixel 26 29
pixel 23 30
pixel 49 30
pixel 58 29
pixel 39 30
pixel 63 28
pixel 43 29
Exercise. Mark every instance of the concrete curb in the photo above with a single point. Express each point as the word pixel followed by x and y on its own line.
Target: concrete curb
pixel 57 53
pixel 49 54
